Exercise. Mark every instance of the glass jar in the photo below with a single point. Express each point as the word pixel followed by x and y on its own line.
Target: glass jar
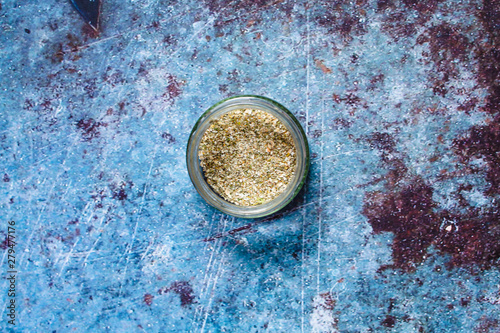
pixel 286 118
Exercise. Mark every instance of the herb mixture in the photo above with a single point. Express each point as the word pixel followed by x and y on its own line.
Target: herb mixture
pixel 248 156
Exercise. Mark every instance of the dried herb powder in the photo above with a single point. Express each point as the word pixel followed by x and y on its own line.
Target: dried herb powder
pixel 248 156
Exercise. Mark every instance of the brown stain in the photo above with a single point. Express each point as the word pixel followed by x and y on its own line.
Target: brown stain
pixel 67 49
pixel 316 134
pixel 408 214
pixel 397 25
pixel 183 289
pixel 482 142
pixel 5 243
pixel 340 124
pixel 90 86
pixel 489 14
pixel 169 138
pixel 119 191
pixel 384 4
pixel 173 90
pixel 488 325
pixel 89 128
pixel 169 40
pixel 120 194
pixel 424 7
pixel 405 208
pixel 328 301
pixel 148 299
pixel 246 6
pixel 343 18
pixel 325 303
pixel 58 54
pixel 98 197
pixel 472 239
pixel 468 234
pixel 319 63
pixel 389 321
pixel 396 22
pixel 115 77
pixel 489 72
pixel 218 5
pixel 447 45
pixel 245 13
pixel 350 99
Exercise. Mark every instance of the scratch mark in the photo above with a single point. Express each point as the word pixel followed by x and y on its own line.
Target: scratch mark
pixel 91 250
pixel 308 65
pixel 119 35
pixel 320 213
pixel 129 248
pixel 123 278
pixel 348 153
pixel 211 282
pixel 208 246
pixel 148 181
pixel 147 250
pixel 218 274
pixel 248 227
pixel 68 186
pixel 308 60
pixel 26 249
pixel 68 255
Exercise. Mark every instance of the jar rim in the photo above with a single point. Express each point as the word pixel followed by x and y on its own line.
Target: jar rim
pixel 267 105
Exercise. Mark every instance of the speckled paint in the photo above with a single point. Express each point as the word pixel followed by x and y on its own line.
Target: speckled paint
pixel 397 228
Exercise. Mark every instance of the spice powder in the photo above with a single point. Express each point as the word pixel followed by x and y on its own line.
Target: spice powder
pixel 248 156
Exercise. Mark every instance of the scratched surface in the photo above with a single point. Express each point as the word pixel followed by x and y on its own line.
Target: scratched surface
pixel 397 228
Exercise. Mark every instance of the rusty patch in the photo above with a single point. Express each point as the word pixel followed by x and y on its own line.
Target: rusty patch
pixel 389 321
pixel 328 301
pixel 218 5
pixel 489 73
pixel 68 49
pixel 89 128
pixel 384 4
pixel 490 17
pixel 183 289
pixel 340 124
pixel 341 17
pixel 244 11
pixel 119 191
pixel 322 66
pixel 487 325
pixel 482 142
pixel 173 88
pixel 5 243
pixel 168 137
pixel 397 24
pixel 407 213
pixel 424 7
pixel 447 45
pixel 148 299
pixel 472 238
pixel 405 207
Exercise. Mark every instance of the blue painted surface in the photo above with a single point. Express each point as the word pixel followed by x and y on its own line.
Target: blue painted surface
pixel 396 228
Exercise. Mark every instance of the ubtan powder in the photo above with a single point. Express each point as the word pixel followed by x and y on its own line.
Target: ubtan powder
pixel 248 156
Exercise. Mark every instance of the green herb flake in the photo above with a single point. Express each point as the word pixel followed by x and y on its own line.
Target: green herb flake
pixel 248 156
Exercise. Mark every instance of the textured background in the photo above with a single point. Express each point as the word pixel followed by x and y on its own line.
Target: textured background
pixel 397 228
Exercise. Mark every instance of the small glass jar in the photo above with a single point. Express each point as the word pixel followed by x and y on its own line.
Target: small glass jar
pixel 251 102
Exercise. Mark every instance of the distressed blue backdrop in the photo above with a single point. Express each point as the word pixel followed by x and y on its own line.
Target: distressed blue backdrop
pixel 397 228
